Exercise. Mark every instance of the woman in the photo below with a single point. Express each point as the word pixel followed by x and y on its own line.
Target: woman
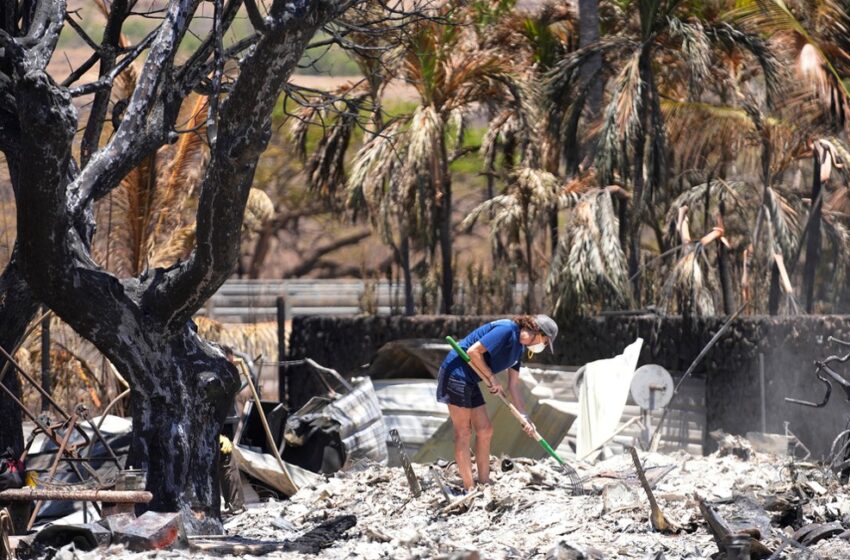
pixel 492 348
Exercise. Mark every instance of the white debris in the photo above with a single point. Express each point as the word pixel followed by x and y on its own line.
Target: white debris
pixel 528 511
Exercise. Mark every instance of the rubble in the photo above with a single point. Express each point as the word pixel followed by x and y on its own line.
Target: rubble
pixel 152 530
pixel 368 512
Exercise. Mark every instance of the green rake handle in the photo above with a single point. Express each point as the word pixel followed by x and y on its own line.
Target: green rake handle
pixel 543 443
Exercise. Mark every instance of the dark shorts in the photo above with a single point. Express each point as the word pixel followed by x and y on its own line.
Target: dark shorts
pixel 458 391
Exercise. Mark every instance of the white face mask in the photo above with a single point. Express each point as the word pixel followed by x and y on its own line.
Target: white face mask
pixel 537 348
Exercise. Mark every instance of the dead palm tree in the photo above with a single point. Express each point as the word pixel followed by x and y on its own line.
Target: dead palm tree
pixel 651 35
pixel 520 213
pixel 523 129
pixel 450 74
pixel 589 272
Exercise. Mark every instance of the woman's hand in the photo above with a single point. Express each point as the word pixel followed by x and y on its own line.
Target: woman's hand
pixel 495 387
pixel 528 427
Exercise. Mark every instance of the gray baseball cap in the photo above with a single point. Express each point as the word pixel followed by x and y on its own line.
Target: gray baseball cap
pixel 548 327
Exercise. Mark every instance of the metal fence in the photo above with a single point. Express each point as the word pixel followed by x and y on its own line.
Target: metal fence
pixel 256 300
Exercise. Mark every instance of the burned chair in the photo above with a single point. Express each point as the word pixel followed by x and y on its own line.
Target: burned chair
pixel 840 451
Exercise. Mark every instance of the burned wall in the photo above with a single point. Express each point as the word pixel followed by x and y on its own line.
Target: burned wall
pixel 731 368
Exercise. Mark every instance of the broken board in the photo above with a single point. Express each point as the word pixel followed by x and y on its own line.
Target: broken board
pixel 264 467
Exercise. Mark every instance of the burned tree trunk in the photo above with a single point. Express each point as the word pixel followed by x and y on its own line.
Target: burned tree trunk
pixel 177 418
pixel 181 386
pixel 18 307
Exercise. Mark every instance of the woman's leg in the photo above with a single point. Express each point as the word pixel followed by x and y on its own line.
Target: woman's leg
pixel 461 420
pixel 483 434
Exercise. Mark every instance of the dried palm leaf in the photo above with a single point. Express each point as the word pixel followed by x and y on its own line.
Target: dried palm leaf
pixel 589 271
pixel 183 171
pixel 621 119
pixel 783 220
pixel 258 210
pixel 178 247
pixel 254 339
pixel 695 50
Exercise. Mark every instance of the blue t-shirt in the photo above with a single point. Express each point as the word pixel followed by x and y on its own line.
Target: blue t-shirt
pixel 500 338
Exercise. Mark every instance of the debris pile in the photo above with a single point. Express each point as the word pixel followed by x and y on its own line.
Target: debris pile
pixel 762 503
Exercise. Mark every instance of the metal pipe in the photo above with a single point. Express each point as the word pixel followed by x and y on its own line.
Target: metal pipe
pixel 113 496
pixel 109 407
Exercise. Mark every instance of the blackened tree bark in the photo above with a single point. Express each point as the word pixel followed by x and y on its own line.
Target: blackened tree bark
pixel 181 385
pixel 17 309
pixel 775 291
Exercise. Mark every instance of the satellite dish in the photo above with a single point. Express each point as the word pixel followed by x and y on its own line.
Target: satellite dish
pixel 652 387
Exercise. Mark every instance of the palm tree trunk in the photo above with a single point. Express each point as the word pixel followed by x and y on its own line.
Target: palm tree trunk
pixel 637 198
pixel 443 180
pixel 408 281
pixel 775 290
pixel 814 239
pixel 529 296
pixel 588 14
pixel 724 268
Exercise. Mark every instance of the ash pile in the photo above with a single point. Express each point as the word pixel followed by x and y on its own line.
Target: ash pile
pixel 737 497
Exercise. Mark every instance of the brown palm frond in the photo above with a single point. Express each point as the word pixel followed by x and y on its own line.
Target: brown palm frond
pixel 589 271
pixel 183 172
pixel 696 129
pixel 496 129
pixel 258 211
pixel 688 285
pixel 783 219
pixel 742 201
pixel 810 38
pixel 326 166
pixel 621 118
pixel 375 164
pixel 695 49
pixel 132 204
pixel 471 77
pixel 417 186
pixel 302 120
pixel 253 339
pixel 178 247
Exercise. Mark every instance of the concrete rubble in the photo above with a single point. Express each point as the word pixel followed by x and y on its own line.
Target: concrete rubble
pixel 368 512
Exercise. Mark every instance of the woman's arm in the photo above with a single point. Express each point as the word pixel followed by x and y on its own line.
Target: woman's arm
pixel 476 356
